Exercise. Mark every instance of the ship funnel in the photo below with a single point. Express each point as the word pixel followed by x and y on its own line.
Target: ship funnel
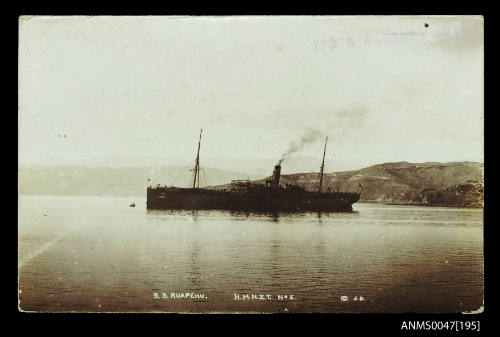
pixel 276 176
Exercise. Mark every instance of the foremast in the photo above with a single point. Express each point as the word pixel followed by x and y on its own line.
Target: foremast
pixel 322 167
pixel 197 165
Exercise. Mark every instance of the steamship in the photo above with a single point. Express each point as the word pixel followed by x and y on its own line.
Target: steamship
pixel 244 195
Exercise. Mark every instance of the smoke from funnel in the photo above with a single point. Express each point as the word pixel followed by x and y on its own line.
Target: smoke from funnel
pixel 293 147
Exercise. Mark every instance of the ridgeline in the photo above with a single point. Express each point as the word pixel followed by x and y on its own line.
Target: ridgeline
pixel 457 184
pixel 454 184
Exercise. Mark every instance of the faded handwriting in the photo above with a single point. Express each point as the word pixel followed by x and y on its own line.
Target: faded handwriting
pixel 333 43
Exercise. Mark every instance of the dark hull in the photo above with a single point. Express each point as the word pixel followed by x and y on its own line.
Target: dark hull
pixel 260 200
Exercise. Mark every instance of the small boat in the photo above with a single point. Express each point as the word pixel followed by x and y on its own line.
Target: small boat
pixel 132 205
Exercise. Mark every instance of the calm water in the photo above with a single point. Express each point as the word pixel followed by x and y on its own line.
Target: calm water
pixel 98 254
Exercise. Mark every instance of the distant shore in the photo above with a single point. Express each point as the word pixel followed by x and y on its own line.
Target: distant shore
pixel 416 204
pixel 455 184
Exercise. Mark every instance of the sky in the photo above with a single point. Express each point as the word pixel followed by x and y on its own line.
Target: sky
pixel 382 88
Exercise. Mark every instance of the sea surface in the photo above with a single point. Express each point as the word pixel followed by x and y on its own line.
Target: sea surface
pixel 97 254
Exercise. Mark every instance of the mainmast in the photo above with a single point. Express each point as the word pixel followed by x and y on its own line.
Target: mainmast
pixel 322 167
pixel 197 164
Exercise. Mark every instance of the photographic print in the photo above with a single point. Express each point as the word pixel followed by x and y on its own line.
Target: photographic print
pixel 251 164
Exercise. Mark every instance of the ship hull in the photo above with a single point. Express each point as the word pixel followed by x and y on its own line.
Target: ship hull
pixel 274 200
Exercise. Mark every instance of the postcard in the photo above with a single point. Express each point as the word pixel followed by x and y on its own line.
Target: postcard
pixel 251 164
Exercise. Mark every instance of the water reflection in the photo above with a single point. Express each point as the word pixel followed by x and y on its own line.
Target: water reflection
pixel 320 221
pixel 400 259
pixel 271 216
pixel 195 264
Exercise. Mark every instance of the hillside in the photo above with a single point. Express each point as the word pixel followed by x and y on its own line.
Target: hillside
pixel 435 184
